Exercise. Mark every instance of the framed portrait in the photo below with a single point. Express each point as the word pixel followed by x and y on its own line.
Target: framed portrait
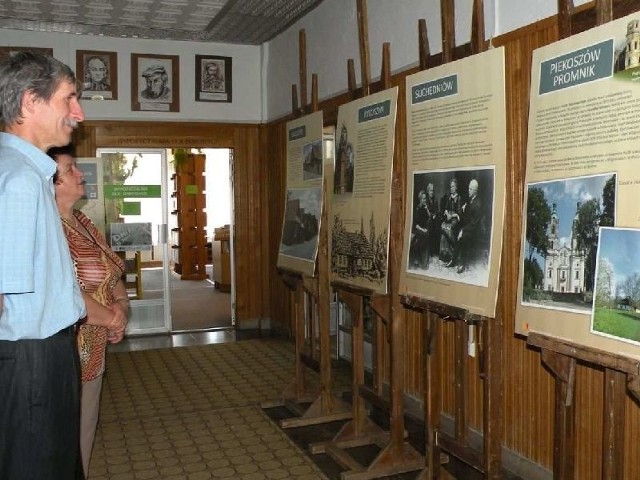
pixel 155 83
pixel 8 51
pixel 213 79
pixel 98 73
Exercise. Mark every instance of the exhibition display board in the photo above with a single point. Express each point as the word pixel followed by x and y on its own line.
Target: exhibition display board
pixel 579 273
pixel 303 203
pixel 456 150
pixel 360 190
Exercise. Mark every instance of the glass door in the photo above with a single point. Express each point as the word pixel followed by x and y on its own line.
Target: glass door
pixel 136 213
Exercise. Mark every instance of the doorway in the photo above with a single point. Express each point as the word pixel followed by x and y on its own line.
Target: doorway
pixel 202 302
pixel 137 191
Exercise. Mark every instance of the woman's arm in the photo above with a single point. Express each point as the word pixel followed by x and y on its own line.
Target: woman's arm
pixel 121 297
pixel 120 305
pixel 102 316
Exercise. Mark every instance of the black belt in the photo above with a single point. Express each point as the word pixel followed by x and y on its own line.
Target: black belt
pixel 68 331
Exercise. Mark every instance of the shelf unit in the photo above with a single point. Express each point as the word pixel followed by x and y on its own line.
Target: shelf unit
pixel 188 235
pixel 132 276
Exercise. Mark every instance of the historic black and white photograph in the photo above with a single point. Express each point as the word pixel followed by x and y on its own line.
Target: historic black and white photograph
pixel 616 308
pixel 451 222
pixel 344 164
pixel 312 160
pixel 213 78
pixel 155 83
pixel 563 218
pixel 301 223
pixel 98 72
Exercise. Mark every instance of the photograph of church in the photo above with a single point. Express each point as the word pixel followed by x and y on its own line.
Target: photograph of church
pixel 561 240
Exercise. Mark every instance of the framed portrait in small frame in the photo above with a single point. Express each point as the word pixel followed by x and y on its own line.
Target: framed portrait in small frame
pixel 8 51
pixel 213 79
pixel 98 73
pixel 155 83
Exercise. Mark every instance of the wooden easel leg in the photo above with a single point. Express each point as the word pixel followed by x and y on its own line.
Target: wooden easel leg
pixel 491 352
pixel 563 368
pixel 296 392
pixel 461 341
pixel 431 396
pixel 615 391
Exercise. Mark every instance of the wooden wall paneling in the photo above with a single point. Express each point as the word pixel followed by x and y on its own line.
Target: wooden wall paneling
pixel 275 145
pixel 589 421
pixel 251 227
pixel 631 467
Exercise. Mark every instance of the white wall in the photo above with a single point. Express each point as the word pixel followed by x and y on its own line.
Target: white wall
pixel 263 75
pixel 332 38
pixel 246 64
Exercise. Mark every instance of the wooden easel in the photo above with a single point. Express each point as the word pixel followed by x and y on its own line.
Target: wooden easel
pixel 396 455
pixel 438 442
pixel 620 373
pixel 325 406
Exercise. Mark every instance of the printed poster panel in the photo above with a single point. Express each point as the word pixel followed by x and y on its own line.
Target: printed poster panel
pixel 92 203
pixel 360 190
pixel 130 237
pixel 456 150
pixel 303 204
pixel 581 186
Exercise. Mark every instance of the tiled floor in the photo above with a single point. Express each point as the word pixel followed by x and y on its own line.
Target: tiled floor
pixel 194 413
pixel 200 460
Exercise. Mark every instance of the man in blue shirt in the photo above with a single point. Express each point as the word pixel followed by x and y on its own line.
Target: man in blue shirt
pixel 40 301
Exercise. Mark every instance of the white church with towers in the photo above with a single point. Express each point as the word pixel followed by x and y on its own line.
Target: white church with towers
pixel 564 264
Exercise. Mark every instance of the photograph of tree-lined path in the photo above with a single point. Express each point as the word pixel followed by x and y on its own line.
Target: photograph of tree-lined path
pixel 616 311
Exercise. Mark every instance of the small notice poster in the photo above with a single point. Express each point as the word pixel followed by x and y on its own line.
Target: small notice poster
pixel 303 202
pixel 92 204
pixel 579 276
pixel 360 189
pixel 456 150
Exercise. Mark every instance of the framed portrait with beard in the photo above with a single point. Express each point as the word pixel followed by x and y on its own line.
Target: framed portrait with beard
pixel 155 83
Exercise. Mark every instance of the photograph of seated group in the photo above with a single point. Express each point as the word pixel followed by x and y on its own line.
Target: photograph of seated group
pixel 451 224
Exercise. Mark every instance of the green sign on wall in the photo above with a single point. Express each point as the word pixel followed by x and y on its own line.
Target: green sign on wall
pixel 131 208
pixel 132 191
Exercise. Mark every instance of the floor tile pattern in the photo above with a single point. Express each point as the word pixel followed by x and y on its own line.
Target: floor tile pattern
pixel 193 413
pixel 234 443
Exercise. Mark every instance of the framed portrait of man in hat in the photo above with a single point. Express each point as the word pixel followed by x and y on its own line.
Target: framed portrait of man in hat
pixel 155 83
